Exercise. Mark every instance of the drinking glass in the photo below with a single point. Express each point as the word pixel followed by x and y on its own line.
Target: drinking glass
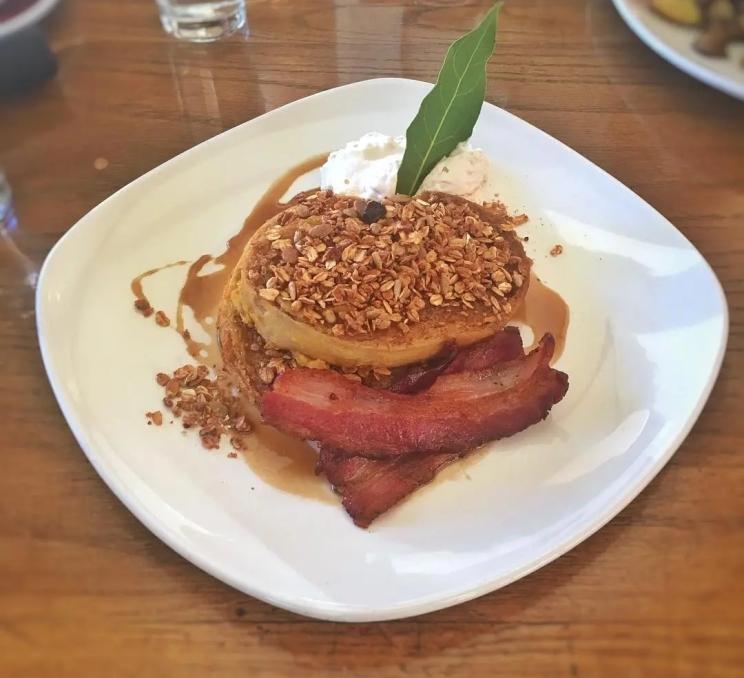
pixel 7 216
pixel 9 250
pixel 201 20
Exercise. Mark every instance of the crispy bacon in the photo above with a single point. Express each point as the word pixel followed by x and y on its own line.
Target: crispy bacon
pixel 474 376
pixel 504 345
pixel 369 487
pixel 459 412
pixel 417 378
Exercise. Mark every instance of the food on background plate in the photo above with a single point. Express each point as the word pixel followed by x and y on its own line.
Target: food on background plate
pixel 721 22
pixel 370 316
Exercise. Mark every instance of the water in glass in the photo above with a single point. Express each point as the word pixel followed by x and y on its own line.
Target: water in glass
pixel 201 21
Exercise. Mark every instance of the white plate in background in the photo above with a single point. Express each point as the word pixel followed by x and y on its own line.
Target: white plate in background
pixel 674 43
pixel 647 335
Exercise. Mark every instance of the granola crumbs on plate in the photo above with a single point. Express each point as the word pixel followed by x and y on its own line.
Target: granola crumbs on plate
pixel 155 417
pixel 204 403
pixel 143 307
pixel 354 267
pixel 556 251
pixel 162 319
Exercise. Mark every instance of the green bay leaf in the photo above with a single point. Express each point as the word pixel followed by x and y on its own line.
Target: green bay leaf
pixel 450 110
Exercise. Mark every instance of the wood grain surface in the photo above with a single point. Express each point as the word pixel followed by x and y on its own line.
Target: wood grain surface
pixel 86 590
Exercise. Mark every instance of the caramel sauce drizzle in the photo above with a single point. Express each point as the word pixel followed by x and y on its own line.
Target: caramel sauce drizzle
pixel 544 311
pixel 202 292
pixel 280 460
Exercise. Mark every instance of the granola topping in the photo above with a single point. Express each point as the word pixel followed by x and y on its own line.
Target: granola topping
pixel 354 267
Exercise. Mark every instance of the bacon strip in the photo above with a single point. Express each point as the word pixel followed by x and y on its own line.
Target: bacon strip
pixel 459 412
pixel 369 487
pixel 504 345
pixel 417 378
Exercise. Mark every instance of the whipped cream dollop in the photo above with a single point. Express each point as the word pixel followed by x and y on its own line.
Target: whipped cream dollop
pixel 368 167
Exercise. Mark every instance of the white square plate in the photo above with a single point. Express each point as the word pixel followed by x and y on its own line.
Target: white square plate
pixel 647 335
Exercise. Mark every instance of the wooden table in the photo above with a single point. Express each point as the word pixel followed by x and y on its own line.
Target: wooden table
pixel 85 590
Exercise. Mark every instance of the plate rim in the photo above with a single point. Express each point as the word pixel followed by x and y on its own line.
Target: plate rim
pixel 329 610
pixel 706 74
